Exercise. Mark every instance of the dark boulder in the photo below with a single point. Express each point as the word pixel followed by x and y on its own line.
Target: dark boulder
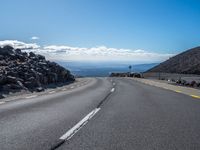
pixel 40 57
pixel 6 50
pixel 39 89
pixel 18 51
pixel 10 79
pixel 1 96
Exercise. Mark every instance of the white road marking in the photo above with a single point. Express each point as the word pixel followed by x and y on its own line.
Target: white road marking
pixel 64 89
pixel 32 96
pixel 112 90
pixel 72 87
pixel 114 83
pixel 52 92
pixel 79 125
pixel 2 103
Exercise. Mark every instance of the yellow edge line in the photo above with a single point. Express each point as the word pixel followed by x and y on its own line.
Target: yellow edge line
pixel 195 96
pixel 177 91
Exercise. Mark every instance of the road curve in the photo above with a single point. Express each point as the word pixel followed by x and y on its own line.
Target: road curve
pixel 36 123
pixel 107 114
pixel 141 117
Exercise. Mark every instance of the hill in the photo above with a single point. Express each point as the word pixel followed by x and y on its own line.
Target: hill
pixel 187 62
pixel 28 71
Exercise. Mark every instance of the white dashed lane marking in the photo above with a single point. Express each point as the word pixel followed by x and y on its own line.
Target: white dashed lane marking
pixel 79 125
pixel 112 90
pixel 71 132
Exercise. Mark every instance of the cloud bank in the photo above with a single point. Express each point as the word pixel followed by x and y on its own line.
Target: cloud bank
pixel 100 53
pixel 35 38
pixel 19 44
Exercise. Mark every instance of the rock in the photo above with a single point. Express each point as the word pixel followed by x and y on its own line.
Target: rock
pixel 18 51
pixel 29 84
pixel 1 57
pixel 1 96
pixel 28 71
pixel 2 80
pixel 198 84
pixel 25 54
pixel 31 54
pixel 39 89
pixel 40 57
pixel 21 85
pixel 6 50
pixel 11 79
pixel 12 87
pixel 3 63
pixel 193 83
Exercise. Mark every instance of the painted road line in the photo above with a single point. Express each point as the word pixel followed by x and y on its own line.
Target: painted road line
pixel 71 87
pixel 2 103
pixel 114 83
pixel 177 91
pixel 112 90
pixel 79 125
pixel 64 89
pixel 52 92
pixel 32 96
pixel 195 96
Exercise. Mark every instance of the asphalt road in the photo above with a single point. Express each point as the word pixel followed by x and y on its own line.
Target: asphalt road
pixel 105 114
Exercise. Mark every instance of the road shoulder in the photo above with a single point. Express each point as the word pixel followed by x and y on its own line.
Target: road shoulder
pixel 195 93
pixel 80 82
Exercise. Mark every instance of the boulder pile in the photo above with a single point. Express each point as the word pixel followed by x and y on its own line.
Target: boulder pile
pixel 28 71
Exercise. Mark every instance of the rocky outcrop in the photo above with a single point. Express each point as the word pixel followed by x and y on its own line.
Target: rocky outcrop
pixel 28 71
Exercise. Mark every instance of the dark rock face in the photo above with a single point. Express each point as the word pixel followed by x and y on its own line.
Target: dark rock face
pixel 187 62
pixel 22 71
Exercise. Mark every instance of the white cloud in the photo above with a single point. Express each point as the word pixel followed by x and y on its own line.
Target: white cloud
pixel 104 53
pixel 35 38
pixel 100 53
pixel 18 44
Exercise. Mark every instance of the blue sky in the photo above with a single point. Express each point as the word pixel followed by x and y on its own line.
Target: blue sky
pixel 155 26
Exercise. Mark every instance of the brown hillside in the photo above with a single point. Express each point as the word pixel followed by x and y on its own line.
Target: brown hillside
pixel 187 62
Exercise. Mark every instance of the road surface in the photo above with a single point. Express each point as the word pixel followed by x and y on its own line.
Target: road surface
pixel 104 114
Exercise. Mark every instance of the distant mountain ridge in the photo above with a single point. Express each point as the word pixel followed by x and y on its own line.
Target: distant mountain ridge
pixel 103 69
pixel 187 62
